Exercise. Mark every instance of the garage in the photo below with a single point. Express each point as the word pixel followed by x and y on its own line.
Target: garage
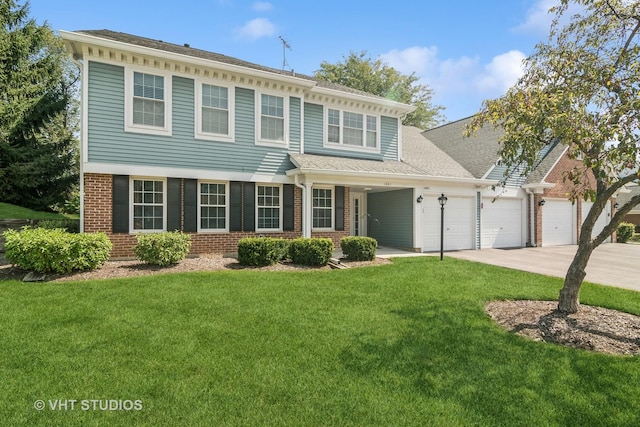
pixel 558 224
pixel 459 227
pixel 501 223
pixel 601 222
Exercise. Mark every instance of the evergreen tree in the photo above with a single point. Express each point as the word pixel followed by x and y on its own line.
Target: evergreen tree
pixel 38 149
pixel 375 77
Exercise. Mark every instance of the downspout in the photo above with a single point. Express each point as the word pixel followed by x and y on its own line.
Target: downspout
pixel 532 219
pixel 81 169
pixel 306 232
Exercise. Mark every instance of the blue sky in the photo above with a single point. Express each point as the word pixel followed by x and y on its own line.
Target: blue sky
pixel 466 50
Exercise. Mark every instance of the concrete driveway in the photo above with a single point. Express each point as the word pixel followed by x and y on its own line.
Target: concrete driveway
pixel 612 264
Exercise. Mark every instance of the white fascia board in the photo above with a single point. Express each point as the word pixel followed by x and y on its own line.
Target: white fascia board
pixel 401 108
pixel 86 39
pixel 162 171
pixel 389 176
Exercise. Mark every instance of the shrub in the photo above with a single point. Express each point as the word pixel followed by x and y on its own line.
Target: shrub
pixel 624 232
pixel 359 248
pixel 70 225
pixel 163 249
pixel 262 251
pixel 55 250
pixel 311 251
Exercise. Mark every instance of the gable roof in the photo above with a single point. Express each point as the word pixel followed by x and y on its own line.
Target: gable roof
pixel 476 154
pixel 479 154
pixel 186 50
pixel 423 154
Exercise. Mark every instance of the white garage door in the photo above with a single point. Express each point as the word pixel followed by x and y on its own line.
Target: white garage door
pixel 557 223
pixel 459 214
pixel 602 220
pixel 501 223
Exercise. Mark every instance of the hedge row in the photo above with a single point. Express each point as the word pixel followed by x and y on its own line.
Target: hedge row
pixel 263 251
pixel 56 251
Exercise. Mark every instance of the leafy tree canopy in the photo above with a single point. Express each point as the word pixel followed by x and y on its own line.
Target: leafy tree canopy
pixel 580 87
pixel 358 71
pixel 38 151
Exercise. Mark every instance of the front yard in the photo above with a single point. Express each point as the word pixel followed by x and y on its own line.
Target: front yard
pixel 401 344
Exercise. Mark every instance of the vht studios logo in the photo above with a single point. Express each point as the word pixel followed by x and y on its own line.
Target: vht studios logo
pixel 88 405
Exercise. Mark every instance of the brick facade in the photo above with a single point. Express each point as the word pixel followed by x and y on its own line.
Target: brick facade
pixel 98 217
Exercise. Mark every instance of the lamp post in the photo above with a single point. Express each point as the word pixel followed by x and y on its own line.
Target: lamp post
pixel 443 201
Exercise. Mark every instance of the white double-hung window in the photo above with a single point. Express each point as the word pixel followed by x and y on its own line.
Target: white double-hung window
pixel 269 208
pixel 214 112
pixel 213 206
pixel 148 103
pixel 322 208
pixel 148 207
pixel 271 120
pixel 352 130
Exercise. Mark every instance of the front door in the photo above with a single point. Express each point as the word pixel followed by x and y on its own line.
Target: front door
pixel 358 214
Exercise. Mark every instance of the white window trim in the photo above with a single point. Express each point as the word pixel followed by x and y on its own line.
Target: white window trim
pixel 226 208
pixel 199 134
pixel 340 145
pixel 164 203
pixel 280 209
pixel 333 208
pixel 258 125
pixel 129 126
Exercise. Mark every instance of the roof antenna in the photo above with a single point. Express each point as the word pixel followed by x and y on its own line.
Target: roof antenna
pixel 285 45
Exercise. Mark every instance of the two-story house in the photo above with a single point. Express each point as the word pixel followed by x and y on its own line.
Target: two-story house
pixel 176 138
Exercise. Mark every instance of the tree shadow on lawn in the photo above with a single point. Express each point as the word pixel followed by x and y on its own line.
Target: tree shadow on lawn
pixel 457 357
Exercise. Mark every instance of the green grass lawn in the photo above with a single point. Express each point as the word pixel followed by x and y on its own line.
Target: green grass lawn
pixel 9 211
pixel 395 345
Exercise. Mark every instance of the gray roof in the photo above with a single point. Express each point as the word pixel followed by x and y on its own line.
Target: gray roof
pixel 203 54
pixel 424 155
pixel 476 154
pixel 479 154
pixel 623 198
pixel 315 162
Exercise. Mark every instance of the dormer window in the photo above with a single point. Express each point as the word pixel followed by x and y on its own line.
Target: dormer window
pixel 352 130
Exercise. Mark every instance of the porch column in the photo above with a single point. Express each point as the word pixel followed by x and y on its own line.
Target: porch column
pixel 307 211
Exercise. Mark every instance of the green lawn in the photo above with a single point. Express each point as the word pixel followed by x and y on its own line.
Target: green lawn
pixel 401 344
pixel 9 211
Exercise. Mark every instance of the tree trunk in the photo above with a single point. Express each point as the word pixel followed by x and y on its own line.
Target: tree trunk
pixel 569 294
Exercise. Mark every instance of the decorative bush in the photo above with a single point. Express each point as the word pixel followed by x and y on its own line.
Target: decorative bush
pixel 624 232
pixel 163 249
pixel 311 251
pixel 56 251
pixel 359 248
pixel 70 225
pixel 262 251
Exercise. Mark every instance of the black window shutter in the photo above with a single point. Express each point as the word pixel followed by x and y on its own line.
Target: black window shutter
pixel 235 206
pixel 288 207
pixel 120 204
pixel 249 191
pixel 191 205
pixel 174 204
pixel 339 197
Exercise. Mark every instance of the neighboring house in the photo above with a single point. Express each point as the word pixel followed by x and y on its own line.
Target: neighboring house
pixel 623 197
pixel 176 138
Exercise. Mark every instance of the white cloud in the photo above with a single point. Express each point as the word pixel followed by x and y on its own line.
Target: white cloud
pixel 538 19
pixel 501 73
pixel 458 83
pixel 257 28
pixel 262 6
pixel 415 59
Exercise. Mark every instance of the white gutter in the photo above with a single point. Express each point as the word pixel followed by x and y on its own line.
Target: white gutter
pixel 394 176
pixel 80 154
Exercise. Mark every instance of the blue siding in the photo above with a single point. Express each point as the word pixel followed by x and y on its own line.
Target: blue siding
pixel 391 218
pixel 109 143
pixel 314 136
